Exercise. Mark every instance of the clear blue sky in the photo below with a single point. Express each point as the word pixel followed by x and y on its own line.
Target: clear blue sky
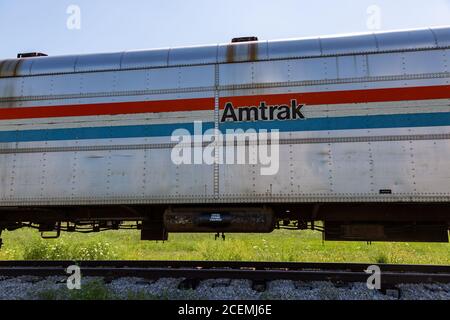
pixel 117 25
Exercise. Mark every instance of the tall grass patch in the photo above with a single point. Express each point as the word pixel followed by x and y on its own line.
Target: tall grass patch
pixel 66 250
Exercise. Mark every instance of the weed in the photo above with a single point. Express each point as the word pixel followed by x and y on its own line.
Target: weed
pixel 65 250
pixel 382 258
pixel 93 290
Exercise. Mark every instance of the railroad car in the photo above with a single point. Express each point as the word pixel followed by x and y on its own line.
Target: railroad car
pixel 359 147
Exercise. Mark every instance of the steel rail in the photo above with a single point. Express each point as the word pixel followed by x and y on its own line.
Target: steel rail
pixel 391 275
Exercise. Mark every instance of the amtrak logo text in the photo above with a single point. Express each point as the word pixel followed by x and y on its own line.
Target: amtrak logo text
pixel 263 112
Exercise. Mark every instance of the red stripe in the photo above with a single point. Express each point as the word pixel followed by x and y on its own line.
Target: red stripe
pixel 341 97
pixel 309 98
pixel 108 108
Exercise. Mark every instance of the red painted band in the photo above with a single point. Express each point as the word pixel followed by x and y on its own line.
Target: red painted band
pixel 308 98
pixel 344 97
pixel 108 108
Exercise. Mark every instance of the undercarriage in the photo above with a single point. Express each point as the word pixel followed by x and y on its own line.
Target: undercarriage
pixel 338 222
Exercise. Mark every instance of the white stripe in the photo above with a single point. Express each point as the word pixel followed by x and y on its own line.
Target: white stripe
pixel 109 99
pixel 311 112
pixel 108 120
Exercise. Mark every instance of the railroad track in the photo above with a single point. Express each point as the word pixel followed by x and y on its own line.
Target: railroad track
pixel 391 275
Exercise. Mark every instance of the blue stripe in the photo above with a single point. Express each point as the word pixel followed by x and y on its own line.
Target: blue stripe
pixel 158 130
pixel 347 123
pixel 162 130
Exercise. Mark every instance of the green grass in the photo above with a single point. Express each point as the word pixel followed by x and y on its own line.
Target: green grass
pixel 278 246
pixel 94 290
pixel 98 290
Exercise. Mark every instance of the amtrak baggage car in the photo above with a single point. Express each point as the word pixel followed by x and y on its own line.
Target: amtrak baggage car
pixel 359 128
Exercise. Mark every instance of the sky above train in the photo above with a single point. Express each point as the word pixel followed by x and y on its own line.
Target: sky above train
pixel 59 27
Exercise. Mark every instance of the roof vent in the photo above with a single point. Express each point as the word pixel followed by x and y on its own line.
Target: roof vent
pixel 31 55
pixel 244 39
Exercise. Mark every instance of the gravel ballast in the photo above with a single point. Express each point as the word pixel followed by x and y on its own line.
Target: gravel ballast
pixel 33 288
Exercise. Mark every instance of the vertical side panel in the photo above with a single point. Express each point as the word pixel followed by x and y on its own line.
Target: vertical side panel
pixel 125 173
pixel 7 175
pixel 56 175
pixel 91 177
pixel 431 161
pixel 29 176
pixel 313 69
pixel 351 160
pixel 311 168
pixel 352 67
pixel 392 166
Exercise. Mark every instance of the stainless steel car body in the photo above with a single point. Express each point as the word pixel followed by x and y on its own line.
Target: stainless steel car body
pixel 79 130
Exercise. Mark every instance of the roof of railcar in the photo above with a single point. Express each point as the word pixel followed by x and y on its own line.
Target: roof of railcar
pixel 375 42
